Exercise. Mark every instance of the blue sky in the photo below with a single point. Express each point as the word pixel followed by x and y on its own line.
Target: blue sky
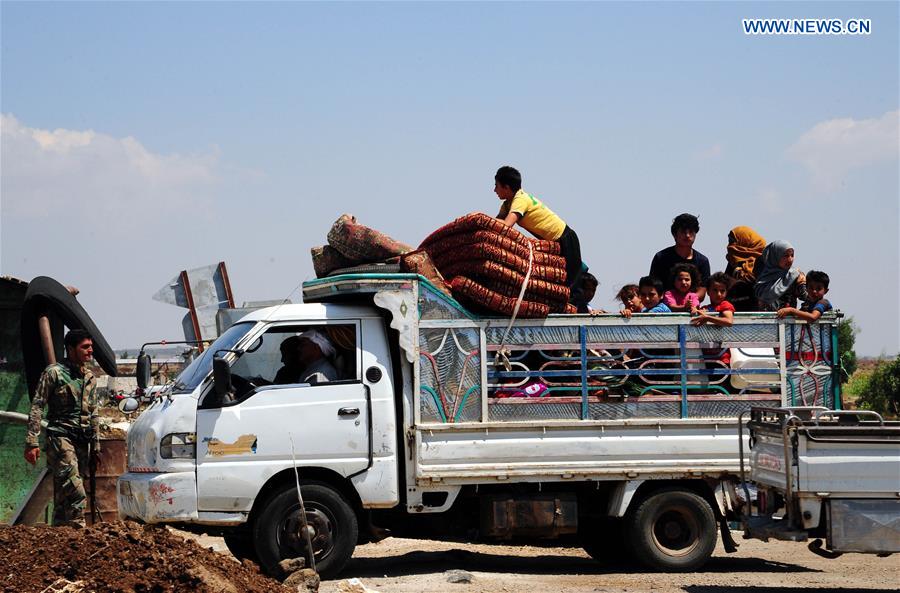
pixel 167 136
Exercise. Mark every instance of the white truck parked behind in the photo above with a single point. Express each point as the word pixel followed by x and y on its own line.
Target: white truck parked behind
pixel 825 474
pixel 590 429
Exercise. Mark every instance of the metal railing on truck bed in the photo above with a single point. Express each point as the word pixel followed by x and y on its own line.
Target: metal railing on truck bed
pixel 473 369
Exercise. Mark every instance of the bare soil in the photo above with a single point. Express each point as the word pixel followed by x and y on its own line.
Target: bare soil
pixel 119 557
pixel 406 566
pixel 126 557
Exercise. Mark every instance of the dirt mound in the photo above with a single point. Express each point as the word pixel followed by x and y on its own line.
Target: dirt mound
pixel 119 557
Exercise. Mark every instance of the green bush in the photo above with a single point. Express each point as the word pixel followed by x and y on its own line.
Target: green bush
pixel 847 331
pixel 880 391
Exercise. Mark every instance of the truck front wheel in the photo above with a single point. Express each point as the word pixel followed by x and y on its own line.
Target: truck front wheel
pixel 333 529
pixel 240 544
pixel 672 530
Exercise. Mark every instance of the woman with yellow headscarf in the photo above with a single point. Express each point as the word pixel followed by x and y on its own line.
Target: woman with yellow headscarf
pixel 744 248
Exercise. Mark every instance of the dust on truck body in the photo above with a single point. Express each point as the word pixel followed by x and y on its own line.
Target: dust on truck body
pixel 431 430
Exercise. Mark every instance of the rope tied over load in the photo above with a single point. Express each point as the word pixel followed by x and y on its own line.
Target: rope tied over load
pixel 502 355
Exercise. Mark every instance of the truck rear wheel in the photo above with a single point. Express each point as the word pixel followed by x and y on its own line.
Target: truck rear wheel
pixel 278 534
pixel 672 530
pixel 602 540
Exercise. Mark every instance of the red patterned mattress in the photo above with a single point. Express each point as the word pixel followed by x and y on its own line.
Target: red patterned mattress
pixel 485 263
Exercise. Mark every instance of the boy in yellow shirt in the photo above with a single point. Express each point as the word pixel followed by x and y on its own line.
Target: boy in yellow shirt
pixel 531 214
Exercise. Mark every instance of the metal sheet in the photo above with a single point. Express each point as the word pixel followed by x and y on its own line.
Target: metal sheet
pixel 204 290
pixel 871 526
pixel 472 454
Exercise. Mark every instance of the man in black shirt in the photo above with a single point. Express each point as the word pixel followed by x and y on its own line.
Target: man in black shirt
pixel 684 229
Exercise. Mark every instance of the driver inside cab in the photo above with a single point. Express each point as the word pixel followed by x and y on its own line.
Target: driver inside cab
pixel 306 358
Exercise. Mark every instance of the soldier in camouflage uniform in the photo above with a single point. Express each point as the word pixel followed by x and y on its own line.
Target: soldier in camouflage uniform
pixel 68 390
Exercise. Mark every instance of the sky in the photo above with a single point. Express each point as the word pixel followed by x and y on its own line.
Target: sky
pixel 142 139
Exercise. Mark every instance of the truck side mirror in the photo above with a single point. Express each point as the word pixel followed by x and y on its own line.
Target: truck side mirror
pixel 221 378
pixel 142 371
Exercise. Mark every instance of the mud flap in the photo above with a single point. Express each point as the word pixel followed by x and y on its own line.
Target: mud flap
pixel 815 547
pixel 728 542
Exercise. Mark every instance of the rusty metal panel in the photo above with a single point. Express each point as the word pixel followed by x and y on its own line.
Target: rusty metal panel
pixel 112 465
pixel 541 515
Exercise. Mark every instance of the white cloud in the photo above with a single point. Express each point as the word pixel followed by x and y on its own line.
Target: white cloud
pixel 834 148
pixel 74 172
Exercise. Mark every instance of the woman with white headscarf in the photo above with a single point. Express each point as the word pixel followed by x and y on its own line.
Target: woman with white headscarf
pixel 778 283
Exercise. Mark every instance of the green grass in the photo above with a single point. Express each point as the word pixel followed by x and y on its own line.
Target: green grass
pixel 855 387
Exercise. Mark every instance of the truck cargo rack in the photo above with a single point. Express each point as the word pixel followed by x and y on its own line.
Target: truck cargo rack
pixel 471 368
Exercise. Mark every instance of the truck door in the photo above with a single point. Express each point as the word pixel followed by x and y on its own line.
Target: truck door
pixel 242 443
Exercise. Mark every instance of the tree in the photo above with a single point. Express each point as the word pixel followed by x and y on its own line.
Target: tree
pixel 847 331
pixel 881 393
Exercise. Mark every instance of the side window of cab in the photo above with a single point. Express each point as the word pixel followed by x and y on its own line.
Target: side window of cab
pixel 294 354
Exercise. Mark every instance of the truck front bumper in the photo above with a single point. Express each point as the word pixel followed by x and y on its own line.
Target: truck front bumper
pixel 157 497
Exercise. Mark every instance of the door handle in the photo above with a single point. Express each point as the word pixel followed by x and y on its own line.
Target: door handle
pixel 348 412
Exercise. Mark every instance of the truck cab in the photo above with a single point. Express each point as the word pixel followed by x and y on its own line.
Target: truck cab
pixel 194 457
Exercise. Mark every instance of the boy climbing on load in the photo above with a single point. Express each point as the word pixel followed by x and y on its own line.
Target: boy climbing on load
pixel 531 214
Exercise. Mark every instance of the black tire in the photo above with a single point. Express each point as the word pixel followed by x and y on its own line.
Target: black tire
pixel 44 295
pixel 604 541
pixel 277 534
pixel 376 268
pixel 672 530
pixel 240 544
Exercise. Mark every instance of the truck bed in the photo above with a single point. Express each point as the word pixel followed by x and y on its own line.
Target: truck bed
pixel 615 398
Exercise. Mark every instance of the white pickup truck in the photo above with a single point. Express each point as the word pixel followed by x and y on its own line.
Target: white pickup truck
pixel 825 474
pixel 597 430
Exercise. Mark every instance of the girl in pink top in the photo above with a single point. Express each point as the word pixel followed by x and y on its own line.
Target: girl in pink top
pixel 683 296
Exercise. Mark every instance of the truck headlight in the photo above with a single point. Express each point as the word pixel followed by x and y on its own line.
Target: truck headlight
pixel 178 445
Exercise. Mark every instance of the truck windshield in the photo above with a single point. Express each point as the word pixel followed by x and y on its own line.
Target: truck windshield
pixel 198 370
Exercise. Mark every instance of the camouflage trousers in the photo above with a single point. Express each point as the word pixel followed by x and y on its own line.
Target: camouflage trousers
pixel 67 460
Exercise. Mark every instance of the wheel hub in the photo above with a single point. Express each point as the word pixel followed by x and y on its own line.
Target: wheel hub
pixel 320 530
pixel 672 530
pixel 676 531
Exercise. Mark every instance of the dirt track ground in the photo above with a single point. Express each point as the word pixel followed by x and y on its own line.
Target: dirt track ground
pixel 407 566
